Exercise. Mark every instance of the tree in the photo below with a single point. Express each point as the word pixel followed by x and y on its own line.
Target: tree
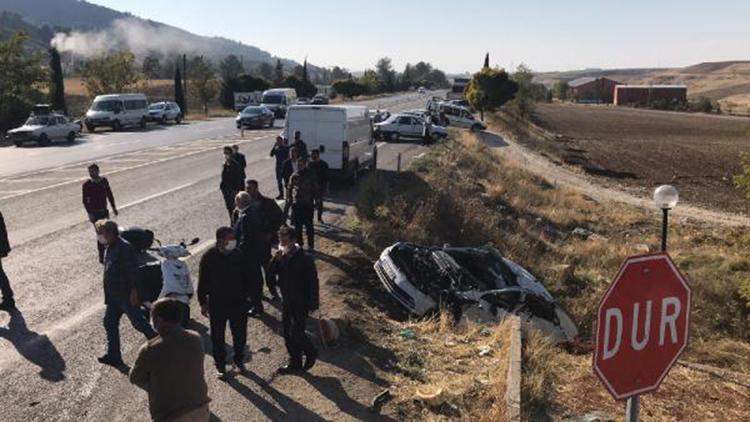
pixel 486 61
pixel 386 74
pixel 22 76
pixel 265 71
pixel 57 82
pixel 203 80
pixel 561 90
pixel 230 67
pixel 372 82
pixel 110 73
pixel 303 88
pixel 348 88
pixel 528 93
pixel 338 73
pixel 151 67
pixel 278 75
pixel 179 94
pixel 490 89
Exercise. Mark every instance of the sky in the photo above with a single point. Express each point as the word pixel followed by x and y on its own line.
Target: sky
pixel 454 35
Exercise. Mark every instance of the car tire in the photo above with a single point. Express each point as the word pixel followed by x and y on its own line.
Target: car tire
pixel 476 128
pixel 177 119
pixel 374 164
pixel 44 140
pixel 271 123
pixel 164 120
pixel 71 137
pixel 142 123
pixel 90 128
pixel 116 126
pixel 354 173
pixel 394 137
pixel 18 143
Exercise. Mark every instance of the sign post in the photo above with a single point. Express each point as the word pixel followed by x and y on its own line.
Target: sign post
pixel 642 327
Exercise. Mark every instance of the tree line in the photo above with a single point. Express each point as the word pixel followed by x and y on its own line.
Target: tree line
pixel 385 79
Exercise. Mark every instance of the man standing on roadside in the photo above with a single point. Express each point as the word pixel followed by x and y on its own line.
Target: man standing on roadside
pixel 300 144
pixel 96 193
pixel 8 303
pixel 232 179
pixel 223 293
pixel 271 219
pixel 170 368
pixel 298 280
pixel 247 231
pixel 280 152
pixel 120 294
pixel 320 168
pixel 240 158
pixel 302 191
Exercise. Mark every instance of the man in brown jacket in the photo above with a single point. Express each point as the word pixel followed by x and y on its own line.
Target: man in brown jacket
pixel 170 368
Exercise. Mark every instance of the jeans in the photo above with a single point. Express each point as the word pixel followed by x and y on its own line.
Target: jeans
pixel 237 319
pixel 5 285
pixel 112 315
pixel 296 340
pixel 302 217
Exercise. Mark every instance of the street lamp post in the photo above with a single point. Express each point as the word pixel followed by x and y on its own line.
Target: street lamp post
pixel 665 198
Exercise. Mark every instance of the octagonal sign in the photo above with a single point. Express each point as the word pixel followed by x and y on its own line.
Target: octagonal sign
pixel 642 325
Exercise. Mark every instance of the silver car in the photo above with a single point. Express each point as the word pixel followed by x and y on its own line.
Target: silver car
pixel 164 112
pixel 473 282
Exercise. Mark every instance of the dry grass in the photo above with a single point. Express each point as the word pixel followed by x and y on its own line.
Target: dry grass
pixel 489 201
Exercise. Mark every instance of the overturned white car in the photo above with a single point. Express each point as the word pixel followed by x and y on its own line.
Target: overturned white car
pixel 475 282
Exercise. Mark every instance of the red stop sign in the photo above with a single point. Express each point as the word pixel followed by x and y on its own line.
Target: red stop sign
pixel 642 325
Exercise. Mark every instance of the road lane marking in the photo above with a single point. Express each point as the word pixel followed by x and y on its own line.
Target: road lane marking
pixel 156 195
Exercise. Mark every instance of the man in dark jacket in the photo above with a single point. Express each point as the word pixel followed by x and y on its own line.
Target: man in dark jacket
pixel 8 303
pixel 96 193
pixel 223 293
pixel 280 152
pixel 271 219
pixel 302 191
pixel 240 159
pixel 320 168
pixel 232 179
pixel 300 144
pixel 298 280
pixel 250 241
pixel 170 368
pixel 120 294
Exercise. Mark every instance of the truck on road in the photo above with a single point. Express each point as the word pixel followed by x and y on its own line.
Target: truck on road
pixel 278 100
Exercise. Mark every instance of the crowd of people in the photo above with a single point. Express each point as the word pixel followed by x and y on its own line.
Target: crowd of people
pixel 256 248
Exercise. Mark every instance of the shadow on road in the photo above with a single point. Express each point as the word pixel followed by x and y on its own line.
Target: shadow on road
pixel 290 409
pixel 34 347
pixel 333 389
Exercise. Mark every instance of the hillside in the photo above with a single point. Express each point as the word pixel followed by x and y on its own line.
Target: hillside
pixel 86 26
pixel 727 82
pixel 11 23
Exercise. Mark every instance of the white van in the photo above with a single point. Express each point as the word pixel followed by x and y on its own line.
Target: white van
pixel 343 134
pixel 117 111
pixel 278 100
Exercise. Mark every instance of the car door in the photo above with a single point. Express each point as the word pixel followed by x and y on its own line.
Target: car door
pixel 55 128
pixel 403 125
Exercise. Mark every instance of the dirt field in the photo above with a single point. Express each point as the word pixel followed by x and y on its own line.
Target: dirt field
pixel 641 149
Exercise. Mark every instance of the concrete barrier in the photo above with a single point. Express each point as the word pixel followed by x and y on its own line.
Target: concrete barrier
pixel 513 382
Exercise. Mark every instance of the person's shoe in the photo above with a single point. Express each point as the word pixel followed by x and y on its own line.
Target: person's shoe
pixel 8 305
pixel 221 372
pixel 241 368
pixel 310 360
pixel 291 368
pixel 109 360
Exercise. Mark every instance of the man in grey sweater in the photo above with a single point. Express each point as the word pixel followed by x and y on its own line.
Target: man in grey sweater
pixel 170 368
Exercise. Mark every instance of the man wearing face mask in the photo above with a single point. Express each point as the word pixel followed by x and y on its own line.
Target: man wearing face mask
pixel 223 293
pixel 120 294
pixel 249 235
pixel 298 280
pixel 302 193
pixel 96 193
pixel 232 179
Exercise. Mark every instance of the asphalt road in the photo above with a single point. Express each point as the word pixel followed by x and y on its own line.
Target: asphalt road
pixel 169 184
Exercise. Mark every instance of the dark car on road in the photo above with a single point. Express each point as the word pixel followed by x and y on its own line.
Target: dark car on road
pixel 319 100
pixel 255 117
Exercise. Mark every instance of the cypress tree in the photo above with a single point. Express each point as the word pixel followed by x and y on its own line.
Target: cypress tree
pixel 57 83
pixel 487 61
pixel 179 94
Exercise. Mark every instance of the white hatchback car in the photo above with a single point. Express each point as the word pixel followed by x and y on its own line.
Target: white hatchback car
pixel 163 112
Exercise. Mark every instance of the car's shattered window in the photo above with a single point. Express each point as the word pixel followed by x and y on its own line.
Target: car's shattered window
pixel 488 268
